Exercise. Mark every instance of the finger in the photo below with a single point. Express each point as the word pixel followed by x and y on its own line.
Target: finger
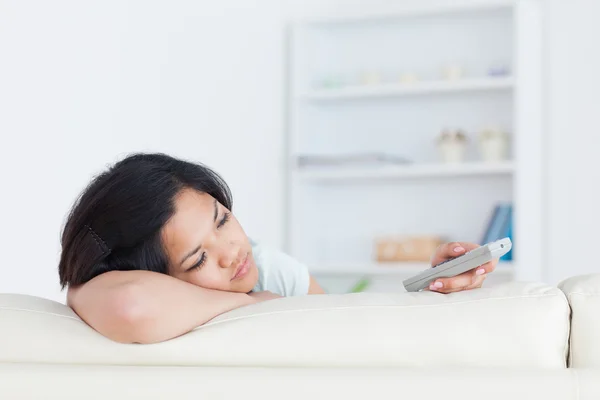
pixel 457 282
pixel 477 283
pixel 451 250
pixel 486 268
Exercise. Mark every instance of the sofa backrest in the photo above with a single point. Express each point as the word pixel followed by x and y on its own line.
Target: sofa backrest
pixel 583 293
pixel 512 325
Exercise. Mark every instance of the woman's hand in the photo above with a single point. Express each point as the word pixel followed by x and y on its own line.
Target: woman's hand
pixel 469 280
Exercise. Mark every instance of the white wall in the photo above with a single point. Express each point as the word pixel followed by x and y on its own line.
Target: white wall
pixel 82 83
pixel 572 111
pixel 61 79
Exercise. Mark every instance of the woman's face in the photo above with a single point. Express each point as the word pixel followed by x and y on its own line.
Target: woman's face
pixel 206 245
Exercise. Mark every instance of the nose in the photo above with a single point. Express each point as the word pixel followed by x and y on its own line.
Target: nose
pixel 229 254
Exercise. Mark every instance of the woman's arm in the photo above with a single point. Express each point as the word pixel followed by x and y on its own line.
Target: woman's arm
pixel 148 307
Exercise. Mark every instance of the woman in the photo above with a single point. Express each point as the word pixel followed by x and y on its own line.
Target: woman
pixel 151 250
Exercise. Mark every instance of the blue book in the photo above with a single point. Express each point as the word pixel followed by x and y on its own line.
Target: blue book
pixel 509 233
pixel 488 230
pixel 499 223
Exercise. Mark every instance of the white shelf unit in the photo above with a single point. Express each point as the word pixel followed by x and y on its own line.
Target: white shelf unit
pixel 334 213
pixel 410 89
pixel 433 170
pixel 399 269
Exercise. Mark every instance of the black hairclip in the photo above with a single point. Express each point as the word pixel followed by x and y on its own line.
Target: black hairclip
pixel 101 243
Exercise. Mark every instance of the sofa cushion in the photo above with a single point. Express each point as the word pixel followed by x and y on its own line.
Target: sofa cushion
pixel 512 325
pixel 583 293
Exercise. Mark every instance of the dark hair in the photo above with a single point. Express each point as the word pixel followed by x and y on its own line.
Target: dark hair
pixel 116 223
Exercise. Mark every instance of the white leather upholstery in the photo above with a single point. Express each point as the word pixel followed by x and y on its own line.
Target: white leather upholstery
pixel 89 382
pixel 505 342
pixel 514 325
pixel 583 293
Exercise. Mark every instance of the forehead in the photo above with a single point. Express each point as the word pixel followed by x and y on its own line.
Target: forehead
pixel 190 201
pixel 193 218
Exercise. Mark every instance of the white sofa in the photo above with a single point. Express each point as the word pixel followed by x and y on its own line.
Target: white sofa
pixel 512 341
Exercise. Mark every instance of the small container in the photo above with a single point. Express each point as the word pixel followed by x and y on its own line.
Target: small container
pixel 371 78
pixel 453 72
pixel 498 70
pixel 493 145
pixel 408 77
pixel 452 146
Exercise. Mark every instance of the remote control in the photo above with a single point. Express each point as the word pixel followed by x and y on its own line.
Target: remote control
pixel 458 265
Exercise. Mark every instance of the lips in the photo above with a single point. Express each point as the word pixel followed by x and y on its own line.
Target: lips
pixel 242 269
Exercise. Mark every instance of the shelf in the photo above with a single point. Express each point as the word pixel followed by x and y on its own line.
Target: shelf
pixel 402 11
pixel 410 89
pixel 349 95
pixel 396 269
pixel 406 171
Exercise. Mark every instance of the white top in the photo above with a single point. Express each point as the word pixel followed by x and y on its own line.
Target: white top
pixel 278 272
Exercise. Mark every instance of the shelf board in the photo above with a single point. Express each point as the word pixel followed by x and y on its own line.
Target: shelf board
pixel 409 89
pixel 400 11
pixel 439 170
pixel 384 269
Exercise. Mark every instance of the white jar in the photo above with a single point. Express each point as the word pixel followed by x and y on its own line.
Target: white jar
pixel 493 146
pixel 452 151
pixel 453 72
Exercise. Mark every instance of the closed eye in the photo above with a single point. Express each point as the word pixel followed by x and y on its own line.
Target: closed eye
pixel 224 220
pixel 199 263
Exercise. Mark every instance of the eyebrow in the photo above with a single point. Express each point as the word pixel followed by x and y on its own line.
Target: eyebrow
pixel 191 253
pixel 216 211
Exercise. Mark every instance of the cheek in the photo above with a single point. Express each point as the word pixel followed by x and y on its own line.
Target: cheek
pixel 237 229
pixel 209 278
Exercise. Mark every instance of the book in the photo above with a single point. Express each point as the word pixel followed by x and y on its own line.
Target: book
pixel 487 234
pixel 500 225
pixel 509 233
pixel 497 224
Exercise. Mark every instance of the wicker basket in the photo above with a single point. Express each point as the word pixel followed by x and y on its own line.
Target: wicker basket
pixel 406 248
